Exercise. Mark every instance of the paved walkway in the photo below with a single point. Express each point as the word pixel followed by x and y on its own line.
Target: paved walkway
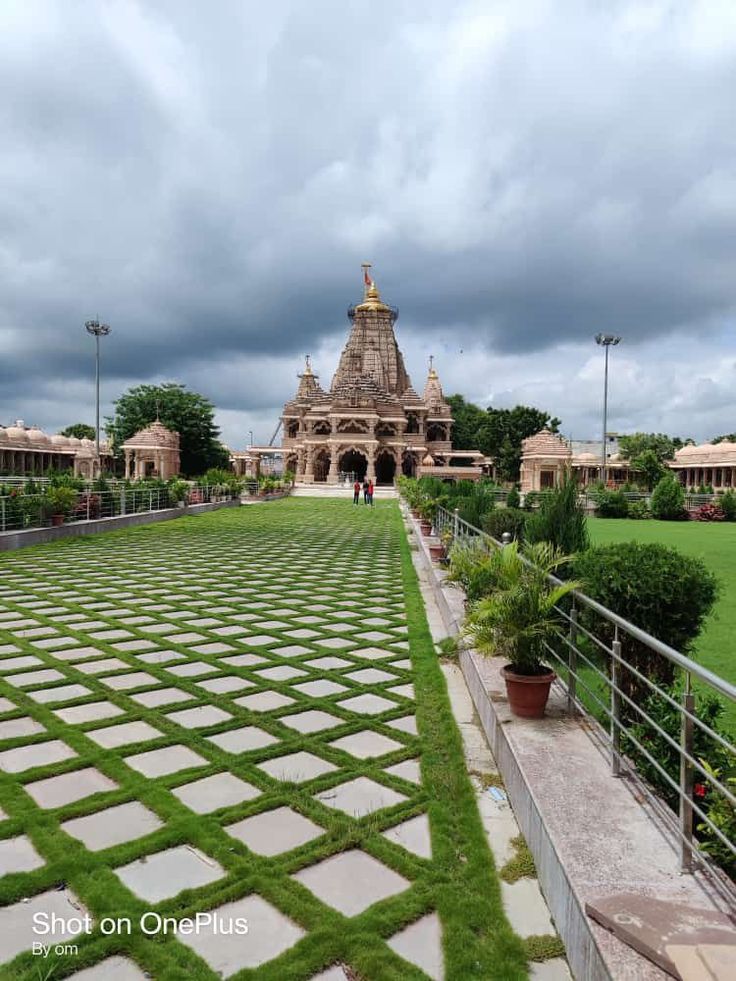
pixel 221 715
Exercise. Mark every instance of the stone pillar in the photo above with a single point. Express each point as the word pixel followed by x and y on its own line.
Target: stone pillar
pixel 127 463
pixel 371 472
pixel 333 474
pixel 308 464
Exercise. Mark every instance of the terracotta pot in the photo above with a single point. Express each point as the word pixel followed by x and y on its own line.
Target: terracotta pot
pixel 527 693
pixel 436 552
pixel 415 513
pixel 426 528
pixel 57 519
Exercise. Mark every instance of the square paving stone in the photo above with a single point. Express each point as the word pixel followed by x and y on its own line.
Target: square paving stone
pixel 359 797
pixel 77 654
pixel 18 855
pixel 166 874
pixel 407 723
pixel 187 638
pixel 111 969
pixel 370 676
pixel 115 634
pixel 281 672
pixel 113 826
pixel 261 640
pixel 161 696
pixel 405 691
pixel 15 663
pixel 169 759
pixel 302 633
pixel 20 727
pixel 17 921
pixel 9 649
pixel 296 767
pixel 136 679
pixel 242 740
pixel 343 628
pixel 404 664
pixel 135 645
pixel 111 737
pixel 313 720
pixel 202 715
pixel 373 635
pixel 351 881
pixel 320 688
pixel 156 628
pixel 269 934
pixel 336 643
pixel 230 631
pixel 203 622
pixel 68 787
pixel 407 770
pixel 243 660
pixel 216 647
pixel 273 832
pixel 101 665
pixel 367 704
pixel 212 793
pixel 264 701
pixel 28 678
pixel 372 653
pixel 160 657
pixel 413 835
pixel 78 714
pixel 63 693
pixel 192 669
pixel 421 944
pixel 220 686
pixel 328 663
pixel 291 650
pixel 366 743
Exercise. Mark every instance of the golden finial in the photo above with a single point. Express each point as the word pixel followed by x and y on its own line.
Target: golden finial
pixel 307 364
pixel 432 372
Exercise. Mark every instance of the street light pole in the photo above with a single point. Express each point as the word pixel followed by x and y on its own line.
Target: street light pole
pixel 98 330
pixel 250 433
pixel 605 341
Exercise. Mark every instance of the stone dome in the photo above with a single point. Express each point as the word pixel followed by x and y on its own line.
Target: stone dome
pixel 36 435
pixel 545 444
pixel 155 435
pixel 59 440
pixel 16 432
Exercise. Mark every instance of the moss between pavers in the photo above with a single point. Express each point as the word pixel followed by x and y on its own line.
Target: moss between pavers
pixel 225 553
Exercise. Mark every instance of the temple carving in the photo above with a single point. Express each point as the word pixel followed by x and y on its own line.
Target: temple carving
pixel 371 422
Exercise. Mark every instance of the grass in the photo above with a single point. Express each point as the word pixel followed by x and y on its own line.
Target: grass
pixel 278 560
pixel 715 544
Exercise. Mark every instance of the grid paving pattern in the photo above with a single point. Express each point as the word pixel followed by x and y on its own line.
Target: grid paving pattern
pixel 221 714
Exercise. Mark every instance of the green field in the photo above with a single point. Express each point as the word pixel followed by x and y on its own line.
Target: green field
pixel 715 544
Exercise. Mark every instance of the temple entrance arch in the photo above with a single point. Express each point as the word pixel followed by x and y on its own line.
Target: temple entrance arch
pixel 408 464
pixel 385 467
pixel 321 466
pixel 354 462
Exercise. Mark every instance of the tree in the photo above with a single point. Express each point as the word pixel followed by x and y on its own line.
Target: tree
pixel 648 464
pixel 467 421
pixel 187 413
pixel 661 445
pixel 79 430
pixel 668 500
pixel 726 438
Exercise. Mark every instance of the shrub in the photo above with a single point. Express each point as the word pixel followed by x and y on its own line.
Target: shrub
pixel 709 512
pixel 727 503
pixel 560 520
pixel 668 500
pixel 513 499
pixel 661 591
pixel 510 520
pixel 639 510
pixel 611 504
pixel 475 567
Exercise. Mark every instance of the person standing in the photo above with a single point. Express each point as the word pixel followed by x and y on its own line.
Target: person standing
pixel 356 492
pixel 366 487
pixel 370 493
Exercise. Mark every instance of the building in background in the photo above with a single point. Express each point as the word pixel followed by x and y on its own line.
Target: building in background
pixel 27 451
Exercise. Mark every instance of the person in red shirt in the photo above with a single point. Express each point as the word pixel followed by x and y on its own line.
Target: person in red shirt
pixel 356 492
pixel 370 493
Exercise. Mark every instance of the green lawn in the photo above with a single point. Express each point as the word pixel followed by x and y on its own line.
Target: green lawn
pixel 315 605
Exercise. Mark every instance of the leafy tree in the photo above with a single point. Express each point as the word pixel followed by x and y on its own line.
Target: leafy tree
pixel 661 445
pixel 560 520
pixel 80 430
pixel 467 420
pixel 649 465
pixel 187 413
pixel 668 499
pixel 727 438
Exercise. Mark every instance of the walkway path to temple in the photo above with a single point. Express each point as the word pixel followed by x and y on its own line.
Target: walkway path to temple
pixel 239 713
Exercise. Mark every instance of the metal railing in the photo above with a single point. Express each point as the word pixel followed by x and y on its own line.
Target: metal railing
pixel 591 652
pixel 26 511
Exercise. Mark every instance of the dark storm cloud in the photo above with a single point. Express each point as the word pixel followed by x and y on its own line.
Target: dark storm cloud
pixel 209 177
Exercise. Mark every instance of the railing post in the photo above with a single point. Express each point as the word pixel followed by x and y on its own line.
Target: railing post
pixel 88 497
pixel 686 779
pixel 455 523
pixel 150 500
pixel 122 500
pixel 2 513
pixel 616 706
pixel 572 660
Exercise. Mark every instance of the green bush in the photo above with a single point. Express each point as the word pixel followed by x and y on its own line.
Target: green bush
pixel 727 502
pixel 513 499
pixel 560 520
pixel 611 504
pixel 510 520
pixel 639 510
pixel 668 500
pixel 658 589
pixel 475 567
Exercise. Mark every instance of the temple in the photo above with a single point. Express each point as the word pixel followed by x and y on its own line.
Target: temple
pixel 371 423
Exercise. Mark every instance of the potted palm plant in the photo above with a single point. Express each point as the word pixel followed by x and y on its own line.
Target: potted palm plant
pixel 427 513
pixel 518 619
pixel 60 500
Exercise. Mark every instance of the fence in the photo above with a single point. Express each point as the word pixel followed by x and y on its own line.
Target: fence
pixel 18 511
pixel 591 655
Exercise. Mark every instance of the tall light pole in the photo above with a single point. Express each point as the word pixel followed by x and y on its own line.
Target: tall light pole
pixel 605 341
pixel 98 330
pixel 250 433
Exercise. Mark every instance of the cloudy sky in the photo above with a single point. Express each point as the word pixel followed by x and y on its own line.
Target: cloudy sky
pixel 208 177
